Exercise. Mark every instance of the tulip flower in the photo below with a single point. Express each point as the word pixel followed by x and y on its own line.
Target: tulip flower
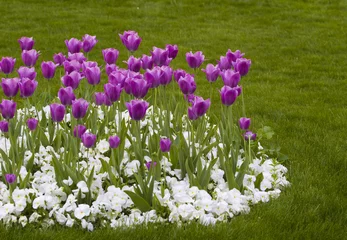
pixel 32 123
pixel 7 64
pixel 116 78
pixel 159 56
pixel 10 86
pixel 27 87
pixel 79 130
pixel 26 43
pixel 66 96
pixel 57 112
pixel 150 164
pixel 93 75
pixel 88 64
pixel 130 40
pixel 112 92
pixel 137 109
pixel 199 108
pixel 189 98
pixel 79 108
pixel 110 68
pixel 166 75
pixel 110 55
pixel 187 84
pixel 4 126
pixel 59 58
pixel 107 101
pixel 146 62
pixel 71 80
pixel 230 78
pixel 195 60
pixel 99 98
pixel 244 123
pixel 249 135
pixel 10 178
pixel 232 56
pixel 224 63
pixel 73 45
pixel 25 72
pixel 71 66
pixel 212 72
pixel 173 50
pixel 153 76
pixel 88 42
pixel 134 64
pixel 228 95
pixel 30 57
pixel 165 144
pixel 137 87
pixel 179 73
pixel 48 69
pixel 77 56
pixel 114 141
pixel 88 139
pixel 242 65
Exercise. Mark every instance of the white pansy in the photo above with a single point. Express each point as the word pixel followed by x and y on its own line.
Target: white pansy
pixel 68 181
pixel 81 211
pixel 131 168
pixel 23 220
pixel 103 146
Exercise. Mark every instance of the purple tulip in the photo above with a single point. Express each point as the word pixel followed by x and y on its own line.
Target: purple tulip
pixel 173 50
pixel 4 126
pixel 159 56
pixel 110 68
pixel 77 56
pixel 165 144
pixel 116 78
pixel 212 72
pixel 57 112
pixel 187 84
pixel 79 130
pixel 26 43
pixel 112 92
pixel 153 76
pixel 99 98
pixel 107 101
pixel 146 62
pixel 238 89
pixel 88 139
pixel 10 178
pixel 66 96
pixel 228 95
pixel 25 72
pixel 244 123
pixel 249 135
pixel 130 40
pixel 242 65
pixel 59 58
pixel 166 75
pixel 7 64
pixel 199 108
pixel 224 63
pixel 189 98
pixel 27 87
pixel 179 73
pixel 232 56
pixel 32 123
pixel 71 66
pixel 93 75
pixel 30 57
pixel 79 108
pixel 10 86
pixel 137 109
pixel 134 64
pixel 73 45
pixel 88 64
pixel 195 60
pixel 48 69
pixel 88 42
pixel 110 55
pixel 114 141
pixel 137 87
pixel 230 78
pixel 71 80
pixel 150 164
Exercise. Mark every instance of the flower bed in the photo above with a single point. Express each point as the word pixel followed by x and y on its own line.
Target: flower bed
pixel 113 159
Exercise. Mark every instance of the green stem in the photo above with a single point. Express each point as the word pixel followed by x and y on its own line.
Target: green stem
pixel 243 104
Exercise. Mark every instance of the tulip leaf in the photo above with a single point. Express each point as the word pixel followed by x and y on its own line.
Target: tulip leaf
pixel 90 178
pixel 139 201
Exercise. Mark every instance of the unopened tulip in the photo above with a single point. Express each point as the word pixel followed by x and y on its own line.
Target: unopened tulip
pixel 249 135
pixel 4 126
pixel 26 43
pixel 110 55
pixel 137 109
pixel 114 141
pixel 66 96
pixel 112 91
pixel 27 87
pixel 199 108
pixel 195 60
pixel 48 69
pixel 244 123
pixel 10 178
pixel 88 139
pixel 99 98
pixel 79 108
pixel 224 63
pixel 93 75
pixel 7 64
pixel 57 112
pixel 212 72
pixel 32 123
pixel 73 45
pixel 173 50
pixel 79 130
pixel 187 84
pixel 228 95
pixel 88 42
pixel 165 144
pixel 10 86
pixel 232 56
pixel 30 57
pixel 242 65
pixel 130 40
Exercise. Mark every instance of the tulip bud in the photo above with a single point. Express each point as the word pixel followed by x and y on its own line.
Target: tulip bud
pixel 79 108
pixel 244 123
pixel 10 86
pixel 48 69
pixel 88 139
pixel 173 50
pixel 134 64
pixel 27 87
pixel 232 56
pixel 211 72
pixel 187 84
pixel 224 63
pixel 146 62
pixel 137 109
pixel 110 55
pixel 10 178
pixel 195 60
pixel 130 40
pixel 228 95
pixel 165 144
pixel 150 164
pixel 110 68
pixel 4 126
pixel 99 98
pixel 7 64
pixel 112 92
pixel 73 45
pixel 93 75
pixel 57 112
pixel 32 123
pixel 66 96
pixel 199 108
pixel 79 130
pixel 242 65
pixel 230 78
pixel 8 108
pixel 26 43
pixel 248 135
pixel 114 141
pixel 30 57
pixel 88 42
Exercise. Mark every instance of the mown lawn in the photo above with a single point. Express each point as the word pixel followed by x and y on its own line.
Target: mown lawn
pixel 297 85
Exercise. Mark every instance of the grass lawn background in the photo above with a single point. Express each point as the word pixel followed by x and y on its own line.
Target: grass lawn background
pixel 297 85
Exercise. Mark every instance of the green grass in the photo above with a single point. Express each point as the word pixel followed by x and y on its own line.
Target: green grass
pixel 297 85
